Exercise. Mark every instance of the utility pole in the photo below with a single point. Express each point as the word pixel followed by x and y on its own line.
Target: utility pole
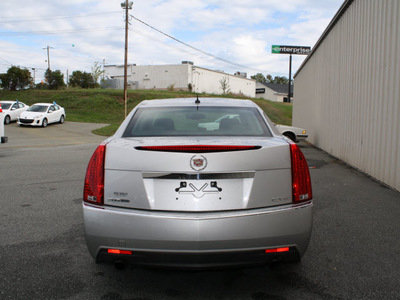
pixel 290 76
pixel 104 64
pixel 125 5
pixel 34 75
pixel 48 54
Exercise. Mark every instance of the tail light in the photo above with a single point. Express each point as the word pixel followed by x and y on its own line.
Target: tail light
pixel 277 250
pixel 301 181
pixel 94 181
pixel 118 251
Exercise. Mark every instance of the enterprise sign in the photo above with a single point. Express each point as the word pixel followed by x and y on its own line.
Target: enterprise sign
pixel 301 50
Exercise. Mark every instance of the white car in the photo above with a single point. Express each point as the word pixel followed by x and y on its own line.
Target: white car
pixel 42 114
pixel 12 110
pixel 215 124
pixel 3 138
pixel 294 133
pixel 164 191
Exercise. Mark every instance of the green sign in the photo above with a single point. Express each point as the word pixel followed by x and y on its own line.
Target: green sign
pixel 301 50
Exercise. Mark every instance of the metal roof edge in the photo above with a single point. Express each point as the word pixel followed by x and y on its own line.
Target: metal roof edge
pixel 330 26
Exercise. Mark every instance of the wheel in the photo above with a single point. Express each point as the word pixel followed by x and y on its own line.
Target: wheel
pixel 7 120
pixel 45 122
pixel 290 135
pixel 62 119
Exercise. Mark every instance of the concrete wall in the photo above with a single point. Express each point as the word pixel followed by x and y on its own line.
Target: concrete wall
pixel 163 76
pixel 154 77
pixel 209 81
pixel 348 89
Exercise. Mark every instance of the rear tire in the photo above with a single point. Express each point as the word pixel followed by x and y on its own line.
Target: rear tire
pixel 62 119
pixel 7 120
pixel 45 122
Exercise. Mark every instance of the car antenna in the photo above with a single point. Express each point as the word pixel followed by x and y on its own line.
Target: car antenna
pixel 197 102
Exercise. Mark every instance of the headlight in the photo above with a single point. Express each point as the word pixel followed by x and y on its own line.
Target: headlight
pixel 304 132
pixel 37 117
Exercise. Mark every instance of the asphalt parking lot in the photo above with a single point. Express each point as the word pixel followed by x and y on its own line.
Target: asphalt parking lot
pixel 354 251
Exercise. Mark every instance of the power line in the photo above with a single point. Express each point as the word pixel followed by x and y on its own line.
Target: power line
pixel 19 20
pixel 197 49
pixel 66 31
pixel 6 61
pixel 173 46
pixel 11 64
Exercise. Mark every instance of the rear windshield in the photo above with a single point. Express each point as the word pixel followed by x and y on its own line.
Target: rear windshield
pixel 5 105
pixel 38 108
pixel 190 121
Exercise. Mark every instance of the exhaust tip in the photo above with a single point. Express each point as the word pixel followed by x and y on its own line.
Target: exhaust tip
pixel 119 265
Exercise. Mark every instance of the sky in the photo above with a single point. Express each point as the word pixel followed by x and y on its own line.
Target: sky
pixel 229 35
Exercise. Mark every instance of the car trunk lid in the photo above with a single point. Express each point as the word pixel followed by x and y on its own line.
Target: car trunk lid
pixel 216 174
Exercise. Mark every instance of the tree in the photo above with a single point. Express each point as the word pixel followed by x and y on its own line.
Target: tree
pixel 225 85
pixel 97 71
pixel 269 79
pixel 55 79
pixel 259 78
pixel 82 79
pixel 280 80
pixel 15 78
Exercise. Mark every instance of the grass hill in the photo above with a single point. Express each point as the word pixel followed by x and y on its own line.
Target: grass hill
pixel 107 105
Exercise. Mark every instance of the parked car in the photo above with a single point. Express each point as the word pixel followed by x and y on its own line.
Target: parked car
pixel 12 110
pixel 296 134
pixel 3 138
pixel 42 114
pixel 215 124
pixel 164 191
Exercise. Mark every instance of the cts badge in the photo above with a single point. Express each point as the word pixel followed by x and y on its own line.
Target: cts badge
pixel 198 162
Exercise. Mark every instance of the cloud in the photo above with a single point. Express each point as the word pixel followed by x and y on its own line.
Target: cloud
pixel 239 31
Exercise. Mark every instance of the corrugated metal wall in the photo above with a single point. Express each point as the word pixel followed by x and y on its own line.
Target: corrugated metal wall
pixel 348 90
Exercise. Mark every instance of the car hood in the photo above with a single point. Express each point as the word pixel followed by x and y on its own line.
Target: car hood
pixel 31 115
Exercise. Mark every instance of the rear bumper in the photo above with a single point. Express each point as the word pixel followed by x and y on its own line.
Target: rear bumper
pixel 301 137
pixel 198 240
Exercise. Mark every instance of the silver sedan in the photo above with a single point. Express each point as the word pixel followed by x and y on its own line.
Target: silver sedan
pixel 169 190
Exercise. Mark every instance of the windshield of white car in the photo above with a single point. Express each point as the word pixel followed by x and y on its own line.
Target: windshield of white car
pixel 38 108
pixel 5 105
pixel 197 121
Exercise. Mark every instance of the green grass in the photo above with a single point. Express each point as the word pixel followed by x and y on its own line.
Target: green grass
pixel 107 105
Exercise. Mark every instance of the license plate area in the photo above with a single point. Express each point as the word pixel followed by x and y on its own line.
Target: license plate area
pixel 203 194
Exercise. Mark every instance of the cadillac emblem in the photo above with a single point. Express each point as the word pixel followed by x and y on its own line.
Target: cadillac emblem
pixel 198 162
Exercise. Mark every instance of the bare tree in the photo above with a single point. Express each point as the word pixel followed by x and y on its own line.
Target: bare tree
pixel 225 85
pixel 97 71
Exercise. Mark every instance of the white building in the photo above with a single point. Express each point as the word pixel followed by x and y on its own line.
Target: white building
pixel 179 77
pixel 273 91
pixel 348 89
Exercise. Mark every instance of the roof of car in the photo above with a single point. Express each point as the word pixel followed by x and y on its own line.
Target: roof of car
pixel 45 104
pixel 7 101
pixel 203 101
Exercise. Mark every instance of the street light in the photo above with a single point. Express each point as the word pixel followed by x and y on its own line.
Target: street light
pixel 126 5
